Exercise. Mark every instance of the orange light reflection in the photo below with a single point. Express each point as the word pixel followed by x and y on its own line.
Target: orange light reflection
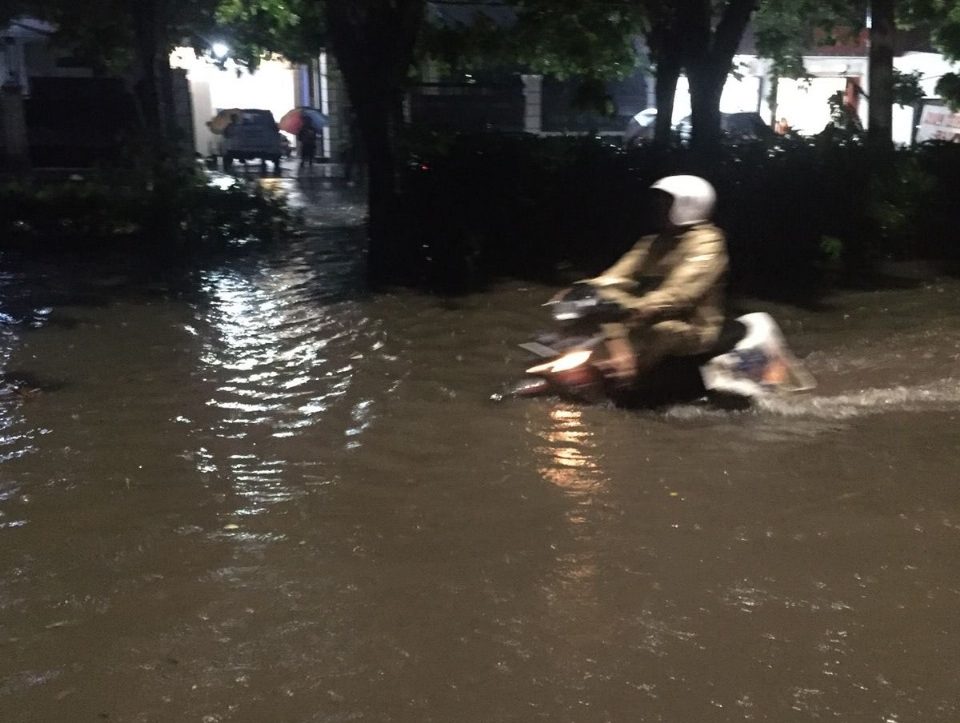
pixel 570 463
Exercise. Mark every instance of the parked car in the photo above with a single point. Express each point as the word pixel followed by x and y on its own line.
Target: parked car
pixel 252 134
pixel 734 126
pixel 640 128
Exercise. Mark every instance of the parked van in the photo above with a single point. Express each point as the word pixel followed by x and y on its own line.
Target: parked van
pixel 252 133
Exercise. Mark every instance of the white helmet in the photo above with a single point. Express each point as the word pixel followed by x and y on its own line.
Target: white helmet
pixel 693 199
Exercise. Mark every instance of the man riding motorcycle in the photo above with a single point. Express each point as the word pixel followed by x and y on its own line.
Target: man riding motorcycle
pixel 671 283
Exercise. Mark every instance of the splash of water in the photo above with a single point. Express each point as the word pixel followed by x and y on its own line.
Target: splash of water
pixel 943 394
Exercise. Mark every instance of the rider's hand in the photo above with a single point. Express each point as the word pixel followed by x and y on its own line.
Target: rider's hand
pixel 621 362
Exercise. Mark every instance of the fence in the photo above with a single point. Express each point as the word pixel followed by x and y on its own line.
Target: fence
pixel 468 106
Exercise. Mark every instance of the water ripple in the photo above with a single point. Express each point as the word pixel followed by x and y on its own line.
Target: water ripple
pixel 941 395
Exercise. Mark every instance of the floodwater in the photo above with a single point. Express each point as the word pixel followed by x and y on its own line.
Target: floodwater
pixel 256 494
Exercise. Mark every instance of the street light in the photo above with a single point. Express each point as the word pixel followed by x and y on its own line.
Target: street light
pixel 220 50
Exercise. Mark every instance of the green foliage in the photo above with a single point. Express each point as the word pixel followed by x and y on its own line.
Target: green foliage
pixel 478 43
pixel 178 213
pixel 937 220
pixel 948 88
pixel 258 28
pixel 798 215
pixel 97 32
pixel 566 38
pixel 101 32
pixel 560 38
pixel 947 35
pixel 832 249
pixel 844 119
pixel 906 88
pixel 785 30
pixel 898 196
pixel 941 17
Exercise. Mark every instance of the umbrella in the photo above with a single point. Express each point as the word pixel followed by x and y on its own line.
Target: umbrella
pixel 293 120
pixel 218 124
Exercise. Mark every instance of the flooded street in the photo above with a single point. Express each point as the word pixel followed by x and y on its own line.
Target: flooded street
pixel 255 493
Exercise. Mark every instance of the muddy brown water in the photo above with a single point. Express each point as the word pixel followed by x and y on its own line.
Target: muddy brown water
pixel 255 494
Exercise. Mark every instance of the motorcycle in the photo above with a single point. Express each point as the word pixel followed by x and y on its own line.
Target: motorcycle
pixel 749 360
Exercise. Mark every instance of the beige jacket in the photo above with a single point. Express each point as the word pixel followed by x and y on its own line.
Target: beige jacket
pixel 679 276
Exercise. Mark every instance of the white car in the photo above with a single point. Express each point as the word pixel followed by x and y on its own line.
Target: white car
pixel 640 128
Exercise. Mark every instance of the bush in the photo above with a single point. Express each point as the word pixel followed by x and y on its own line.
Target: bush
pixel 797 214
pixel 936 216
pixel 177 213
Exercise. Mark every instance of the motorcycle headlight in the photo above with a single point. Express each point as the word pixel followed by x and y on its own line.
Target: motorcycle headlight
pixel 563 364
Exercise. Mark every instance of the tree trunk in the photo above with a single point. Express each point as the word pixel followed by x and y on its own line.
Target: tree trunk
pixel 708 51
pixel 880 130
pixel 374 42
pixel 773 101
pixel 17 146
pixel 378 135
pixel 706 87
pixel 668 72
pixel 148 31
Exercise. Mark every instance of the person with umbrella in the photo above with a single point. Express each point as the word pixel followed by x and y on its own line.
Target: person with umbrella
pixel 304 123
pixel 307 142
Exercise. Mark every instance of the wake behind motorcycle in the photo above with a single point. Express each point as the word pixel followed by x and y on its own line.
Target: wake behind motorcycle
pixel 750 360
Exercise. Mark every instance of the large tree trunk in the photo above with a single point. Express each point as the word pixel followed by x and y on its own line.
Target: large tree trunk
pixel 374 42
pixel 149 31
pixel 668 72
pixel 880 130
pixel 378 133
pixel 706 86
pixel 667 53
pixel 708 56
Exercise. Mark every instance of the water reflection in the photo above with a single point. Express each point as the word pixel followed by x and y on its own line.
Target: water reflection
pixel 267 349
pixel 274 346
pixel 16 440
pixel 567 461
pixel 280 352
pixel 264 469
pixel 568 454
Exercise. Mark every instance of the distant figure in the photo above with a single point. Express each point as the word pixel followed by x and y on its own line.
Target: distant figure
pixel 307 142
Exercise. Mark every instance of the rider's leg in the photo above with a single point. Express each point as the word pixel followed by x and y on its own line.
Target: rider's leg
pixel 666 338
pixel 620 363
pixel 632 353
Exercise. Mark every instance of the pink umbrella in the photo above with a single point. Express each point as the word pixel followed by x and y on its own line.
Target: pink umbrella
pixel 294 120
